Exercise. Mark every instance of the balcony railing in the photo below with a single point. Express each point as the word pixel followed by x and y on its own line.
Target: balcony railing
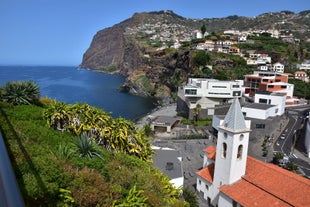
pixel 9 192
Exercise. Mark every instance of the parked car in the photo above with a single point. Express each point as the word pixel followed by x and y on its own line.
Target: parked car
pixel 282 136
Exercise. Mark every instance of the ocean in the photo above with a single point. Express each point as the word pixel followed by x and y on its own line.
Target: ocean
pixel 73 85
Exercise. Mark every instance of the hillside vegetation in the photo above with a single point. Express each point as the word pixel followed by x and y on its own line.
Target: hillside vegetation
pixel 66 168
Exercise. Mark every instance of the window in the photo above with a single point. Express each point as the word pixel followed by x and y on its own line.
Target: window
pixel 260 126
pixel 236 93
pixel 219 87
pixel 207 187
pixel 224 150
pixel 262 100
pixel 283 87
pixel 236 86
pixel 219 93
pixel 271 86
pixel 199 182
pixel 240 149
pixel 191 91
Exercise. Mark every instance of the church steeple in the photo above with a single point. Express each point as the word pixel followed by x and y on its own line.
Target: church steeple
pixel 232 147
pixel 234 120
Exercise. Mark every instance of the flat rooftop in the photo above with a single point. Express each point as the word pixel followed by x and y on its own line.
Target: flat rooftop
pixel 259 106
pixel 164 121
pixel 168 161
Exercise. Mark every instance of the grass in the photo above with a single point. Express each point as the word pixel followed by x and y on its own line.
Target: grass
pixel 200 122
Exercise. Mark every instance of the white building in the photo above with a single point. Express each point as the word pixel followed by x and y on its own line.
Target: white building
pixel 278 67
pixel 260 111
pixel 266 104
pixel 208 93
pixel 242 38
pixel 271 98
pixel 230 177
pixel 305 65
pixel 169 162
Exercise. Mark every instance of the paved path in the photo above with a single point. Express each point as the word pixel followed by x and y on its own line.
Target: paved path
pixel 169 110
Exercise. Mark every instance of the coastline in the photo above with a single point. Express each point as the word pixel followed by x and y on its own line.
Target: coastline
pixel 166 110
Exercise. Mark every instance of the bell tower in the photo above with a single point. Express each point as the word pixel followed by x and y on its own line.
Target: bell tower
pixel 232 147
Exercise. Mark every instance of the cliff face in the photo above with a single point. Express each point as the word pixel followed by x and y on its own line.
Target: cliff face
pixel 106 49
pixel 134 47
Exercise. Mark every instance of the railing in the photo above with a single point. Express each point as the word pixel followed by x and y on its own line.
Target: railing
pixel 9 192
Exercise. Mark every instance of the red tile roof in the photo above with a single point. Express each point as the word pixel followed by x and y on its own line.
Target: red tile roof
pixel 266 184
pixel 207 173
pixel 211 150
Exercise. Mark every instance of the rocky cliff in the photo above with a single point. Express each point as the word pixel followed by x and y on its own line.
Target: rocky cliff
pixel 134 47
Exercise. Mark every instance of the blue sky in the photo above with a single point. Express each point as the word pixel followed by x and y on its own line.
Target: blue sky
pixel 58 32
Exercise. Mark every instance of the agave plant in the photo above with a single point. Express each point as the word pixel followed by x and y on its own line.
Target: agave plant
pixel 20 92
pixel 85 147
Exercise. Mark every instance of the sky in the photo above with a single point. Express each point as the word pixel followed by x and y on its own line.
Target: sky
pixel 58 32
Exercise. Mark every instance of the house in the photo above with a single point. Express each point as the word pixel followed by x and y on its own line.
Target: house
pixel 163 123
pixel 278 67
pixel 169 162
pixel 260 111
pixel 264 67
pixel 271 98
pixel 301 75
pixel 305 65
pixel 242 38
pixel 229 177
pixel 263 59
pixel 208 93
pixel 234 50
pixel 209 45
pixel 201 46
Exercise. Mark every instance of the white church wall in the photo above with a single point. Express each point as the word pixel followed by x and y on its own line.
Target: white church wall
pixel 224 201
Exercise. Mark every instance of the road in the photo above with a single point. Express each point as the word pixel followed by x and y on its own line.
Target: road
pixel 294 132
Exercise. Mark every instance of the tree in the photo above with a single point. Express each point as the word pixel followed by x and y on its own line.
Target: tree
pixel 190 197
pixel 201 58
pixel 277 157
pixel 292 167
pixel 196 112
pixel 203 29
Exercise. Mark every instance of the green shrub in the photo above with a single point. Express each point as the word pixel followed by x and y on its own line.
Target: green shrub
pixel 43 164
pixel 20 92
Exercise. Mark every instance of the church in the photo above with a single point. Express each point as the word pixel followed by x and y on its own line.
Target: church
pixel 230 177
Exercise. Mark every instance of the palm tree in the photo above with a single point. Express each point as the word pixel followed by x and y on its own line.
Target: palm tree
pixel 196 112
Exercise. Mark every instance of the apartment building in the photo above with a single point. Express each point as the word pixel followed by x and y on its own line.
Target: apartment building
pixel 208 93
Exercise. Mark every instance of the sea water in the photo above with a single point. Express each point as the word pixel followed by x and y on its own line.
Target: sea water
pixel 73 85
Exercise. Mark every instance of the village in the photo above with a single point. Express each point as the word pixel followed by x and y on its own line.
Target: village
pixel 186 153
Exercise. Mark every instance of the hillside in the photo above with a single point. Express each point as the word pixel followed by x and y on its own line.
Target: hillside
pixel 52 169
pixel 134 47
